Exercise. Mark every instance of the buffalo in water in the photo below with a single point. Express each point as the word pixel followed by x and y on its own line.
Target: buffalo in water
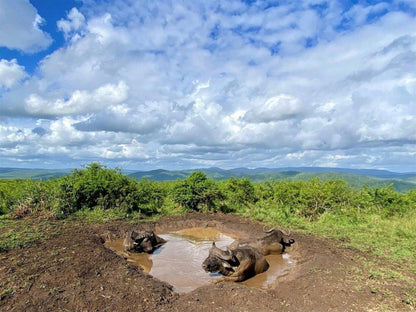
pixel 145 241
pixel 275 241
pixel 235 265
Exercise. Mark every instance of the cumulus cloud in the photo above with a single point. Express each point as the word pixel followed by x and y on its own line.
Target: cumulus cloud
pixel 20 27
pixel 10 73
pixel 80 101
pixel 122 118
pixel 227 84
pixel 279 107
pixel 71 26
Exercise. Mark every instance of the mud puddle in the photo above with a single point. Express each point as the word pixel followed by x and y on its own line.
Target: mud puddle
pixel 179 260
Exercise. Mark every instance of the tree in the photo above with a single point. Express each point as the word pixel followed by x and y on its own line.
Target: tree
pixel 239 192
pixel 96 186
pixel 196 190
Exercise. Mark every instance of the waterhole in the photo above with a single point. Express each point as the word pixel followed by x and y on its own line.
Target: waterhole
pixel 179 260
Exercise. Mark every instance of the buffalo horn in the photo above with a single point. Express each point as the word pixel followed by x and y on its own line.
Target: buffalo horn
pixel 268 231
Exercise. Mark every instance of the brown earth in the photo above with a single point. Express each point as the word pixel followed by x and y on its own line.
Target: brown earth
pixel 73 271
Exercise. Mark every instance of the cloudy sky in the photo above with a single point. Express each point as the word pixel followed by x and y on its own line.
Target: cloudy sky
pixel 190 84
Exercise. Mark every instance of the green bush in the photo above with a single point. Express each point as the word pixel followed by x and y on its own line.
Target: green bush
pixel 147 197
pixel 385 201
pixel 197 192
pixel 238 193
pixel 97 186
pixel 25 196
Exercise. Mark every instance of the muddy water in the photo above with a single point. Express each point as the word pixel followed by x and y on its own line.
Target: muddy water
pixel 280 265
pixel 179 260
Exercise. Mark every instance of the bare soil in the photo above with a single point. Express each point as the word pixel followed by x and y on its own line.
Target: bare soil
pixel 73 271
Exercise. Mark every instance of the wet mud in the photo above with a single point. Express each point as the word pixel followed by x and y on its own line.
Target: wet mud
pixel 178 261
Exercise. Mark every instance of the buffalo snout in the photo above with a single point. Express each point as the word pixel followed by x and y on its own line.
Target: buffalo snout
pixel 211 264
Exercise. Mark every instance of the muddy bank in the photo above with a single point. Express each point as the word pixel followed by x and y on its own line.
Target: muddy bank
pixel 74 271
pixel 178 261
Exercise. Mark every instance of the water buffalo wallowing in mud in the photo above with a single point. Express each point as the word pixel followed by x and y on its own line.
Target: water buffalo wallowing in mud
pixel 275 241
pixel 236 265
pixel 145 241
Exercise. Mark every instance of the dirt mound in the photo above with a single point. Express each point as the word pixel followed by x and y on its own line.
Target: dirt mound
pixel 73 271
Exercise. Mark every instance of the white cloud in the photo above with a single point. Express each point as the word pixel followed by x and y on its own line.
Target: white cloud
pixel 187 83
pixel 20 27
pixel 80 101
pixel 279 107
pixel 359 13
pixel 71 26
pixel 10 73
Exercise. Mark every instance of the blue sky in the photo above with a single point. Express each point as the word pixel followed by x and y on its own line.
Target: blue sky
pixel 190 84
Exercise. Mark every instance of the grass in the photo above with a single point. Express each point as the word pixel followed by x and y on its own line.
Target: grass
pixel 410 297
pixel 99 215
pixel 25 233
pixel 392 239
pixel 7 291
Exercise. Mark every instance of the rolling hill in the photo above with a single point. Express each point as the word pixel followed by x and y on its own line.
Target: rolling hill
pixel 402 182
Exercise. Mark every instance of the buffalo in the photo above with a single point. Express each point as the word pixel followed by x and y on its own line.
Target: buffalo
pixel 235 265
pixel 275 241
pixel 145 241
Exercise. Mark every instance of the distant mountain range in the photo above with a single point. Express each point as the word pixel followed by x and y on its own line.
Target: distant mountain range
pixel 402 182
pixel 36 174
pixel 218 173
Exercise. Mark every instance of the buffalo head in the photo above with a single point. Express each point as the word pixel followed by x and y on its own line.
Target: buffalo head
pixel 145 241
pixel 219 261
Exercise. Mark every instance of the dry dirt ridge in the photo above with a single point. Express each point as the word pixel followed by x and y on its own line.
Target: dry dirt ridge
pixel 73 271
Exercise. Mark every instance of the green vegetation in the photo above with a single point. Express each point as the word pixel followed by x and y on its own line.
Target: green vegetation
pixel 98 187
pixel 402 182
pixel 355 178
pixel 197 192
pixel 374 219
pixel 16 234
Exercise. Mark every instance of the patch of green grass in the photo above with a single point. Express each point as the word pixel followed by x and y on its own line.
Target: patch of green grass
pixel 410 297
pixel 24 233
pixel 99 215
pixel 319 270
pixel 388 294
pixel 8 291
pixel 391 238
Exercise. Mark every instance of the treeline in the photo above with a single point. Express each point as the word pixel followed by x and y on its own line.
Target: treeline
pixel 97 187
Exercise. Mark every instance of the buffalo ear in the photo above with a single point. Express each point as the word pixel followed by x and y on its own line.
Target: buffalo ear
pixel 226 255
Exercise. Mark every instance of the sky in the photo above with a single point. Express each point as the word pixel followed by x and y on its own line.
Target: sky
pixel 190 84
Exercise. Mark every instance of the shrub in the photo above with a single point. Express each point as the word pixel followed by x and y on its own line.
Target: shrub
pixel 197 192
pixel 97 186
pixel 238 193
